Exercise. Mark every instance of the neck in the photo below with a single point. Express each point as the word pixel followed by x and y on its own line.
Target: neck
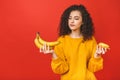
pixel 75 34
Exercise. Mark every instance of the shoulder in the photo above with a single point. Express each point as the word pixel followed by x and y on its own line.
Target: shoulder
pixel 91 41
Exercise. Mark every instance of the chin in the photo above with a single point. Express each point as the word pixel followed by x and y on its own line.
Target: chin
pixel 73 29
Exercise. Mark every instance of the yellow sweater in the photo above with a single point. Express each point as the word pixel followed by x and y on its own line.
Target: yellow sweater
pixel 75 59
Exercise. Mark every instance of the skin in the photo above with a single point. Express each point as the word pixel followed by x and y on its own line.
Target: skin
pixel 74 23
pixel 75 20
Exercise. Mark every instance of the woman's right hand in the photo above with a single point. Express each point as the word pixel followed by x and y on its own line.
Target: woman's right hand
pixel 46 49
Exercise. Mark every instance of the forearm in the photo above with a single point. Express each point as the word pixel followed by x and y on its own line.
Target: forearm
pixel 95 64
pixel 54 56
pixel 58 64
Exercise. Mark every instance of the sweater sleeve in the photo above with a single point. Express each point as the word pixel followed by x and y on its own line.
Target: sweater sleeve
pixel 59 65
pixel 94 64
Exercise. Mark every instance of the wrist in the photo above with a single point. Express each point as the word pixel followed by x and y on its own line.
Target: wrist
pixel 54 56
pixel 97 55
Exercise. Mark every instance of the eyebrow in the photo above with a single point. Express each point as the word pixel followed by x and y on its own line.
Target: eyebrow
pixel 74 16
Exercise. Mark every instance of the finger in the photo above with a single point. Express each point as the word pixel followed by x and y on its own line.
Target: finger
pixel 99 50
pixel 49 51
pixel 103 52
pixel 43 48
pixel 105 49
pixel 40 50
pixel 48 47
pixel 46 52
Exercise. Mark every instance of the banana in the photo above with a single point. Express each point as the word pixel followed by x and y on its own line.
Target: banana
pixel 38 45
pixel 51 44
pixel 39 42
pixel 104 45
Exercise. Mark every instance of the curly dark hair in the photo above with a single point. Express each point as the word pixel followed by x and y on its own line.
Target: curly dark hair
pixel 86 29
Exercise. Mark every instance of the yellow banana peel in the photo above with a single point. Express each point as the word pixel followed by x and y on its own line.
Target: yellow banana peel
pixel 39 42
pixel 38 45
pixel 104 45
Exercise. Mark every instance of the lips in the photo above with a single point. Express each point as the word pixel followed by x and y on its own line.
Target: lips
pixel 72 25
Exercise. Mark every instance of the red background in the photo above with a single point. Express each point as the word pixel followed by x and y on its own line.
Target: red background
pixel 21 19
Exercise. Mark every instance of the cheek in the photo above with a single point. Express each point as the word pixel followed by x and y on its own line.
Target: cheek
pixel 78 23
pixel 68 22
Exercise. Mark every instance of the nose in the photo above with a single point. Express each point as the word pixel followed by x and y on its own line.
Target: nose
pixel 72 20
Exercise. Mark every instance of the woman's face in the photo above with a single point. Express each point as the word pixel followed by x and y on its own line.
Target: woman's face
pixel 75 20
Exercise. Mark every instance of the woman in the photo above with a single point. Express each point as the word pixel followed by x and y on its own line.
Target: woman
pixel 78 56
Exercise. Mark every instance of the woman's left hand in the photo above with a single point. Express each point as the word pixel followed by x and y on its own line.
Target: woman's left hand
pixel 99 51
